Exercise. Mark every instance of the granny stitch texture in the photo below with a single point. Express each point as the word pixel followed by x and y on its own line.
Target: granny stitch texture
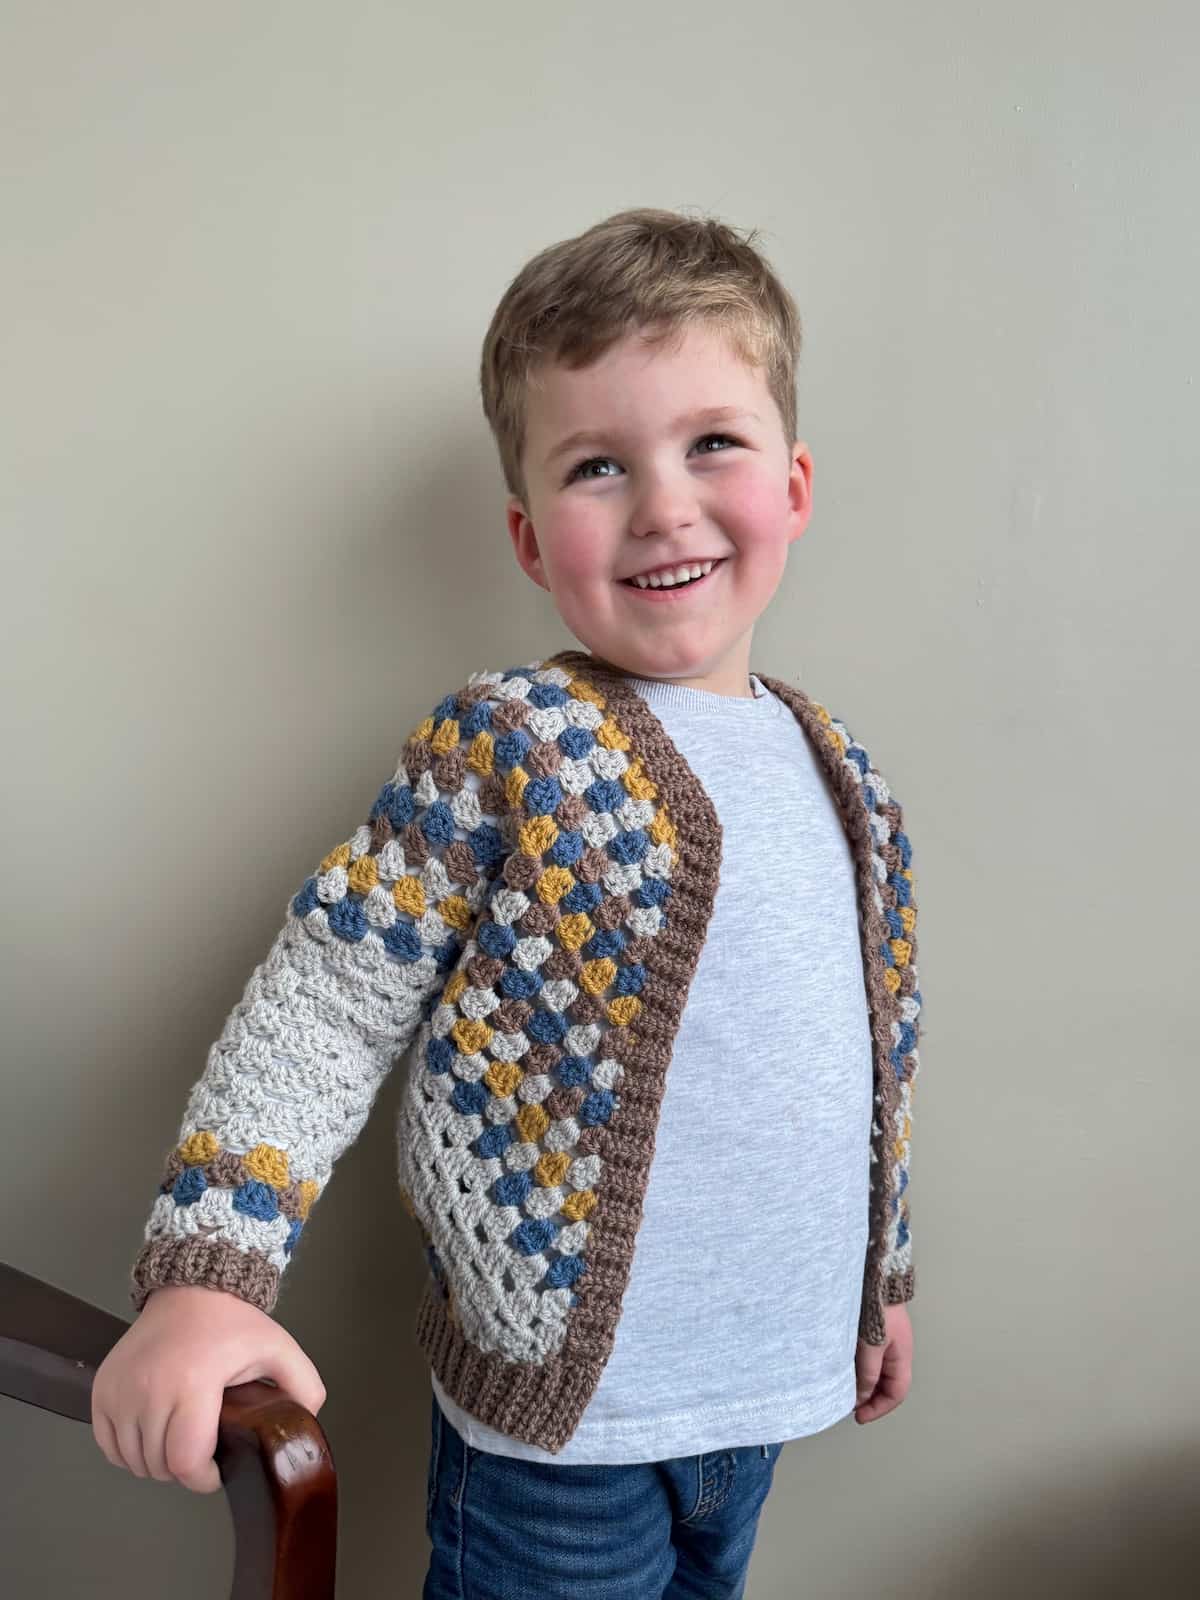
pixel 525 905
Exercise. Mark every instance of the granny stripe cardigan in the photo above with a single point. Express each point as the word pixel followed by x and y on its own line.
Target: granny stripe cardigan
pixel 526 904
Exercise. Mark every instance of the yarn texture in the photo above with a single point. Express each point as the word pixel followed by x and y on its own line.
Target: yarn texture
pixel 523 908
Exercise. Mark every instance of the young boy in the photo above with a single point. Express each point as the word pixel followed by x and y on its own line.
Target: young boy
pixel 646 918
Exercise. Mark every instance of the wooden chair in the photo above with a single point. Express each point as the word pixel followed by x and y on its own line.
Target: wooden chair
pixel 274 1460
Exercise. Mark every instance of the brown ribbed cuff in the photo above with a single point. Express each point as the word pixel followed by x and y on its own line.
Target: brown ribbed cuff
pixel 898 1287
pixel 879 1292
pixel 207 1263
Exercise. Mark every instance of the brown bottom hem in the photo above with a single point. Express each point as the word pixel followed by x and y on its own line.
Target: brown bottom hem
pixel 538 1404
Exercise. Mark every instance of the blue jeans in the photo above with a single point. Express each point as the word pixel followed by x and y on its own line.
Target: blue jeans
pixel 507 1529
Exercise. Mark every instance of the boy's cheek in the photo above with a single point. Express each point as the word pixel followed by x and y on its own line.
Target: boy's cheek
pixel 582 565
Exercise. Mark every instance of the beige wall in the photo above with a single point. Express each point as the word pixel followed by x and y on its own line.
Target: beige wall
pixel 253 531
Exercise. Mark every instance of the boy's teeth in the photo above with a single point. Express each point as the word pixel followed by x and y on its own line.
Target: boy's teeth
pixel 667 580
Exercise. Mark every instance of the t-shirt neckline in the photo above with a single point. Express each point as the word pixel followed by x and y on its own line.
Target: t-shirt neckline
pixel 662 692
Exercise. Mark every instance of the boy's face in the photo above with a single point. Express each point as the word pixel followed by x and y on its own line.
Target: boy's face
pixel 655 486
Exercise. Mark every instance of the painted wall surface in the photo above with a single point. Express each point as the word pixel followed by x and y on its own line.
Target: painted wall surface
pixel 253 530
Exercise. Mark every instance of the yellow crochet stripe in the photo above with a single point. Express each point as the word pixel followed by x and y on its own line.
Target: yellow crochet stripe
pixel 575 930
pixel 199 1149
pixel 579 690
pixel 902 1141
pixel 551 1168
pixel 635 780
pixel 408 894
pixel 554 884
pixel 266 1163
pixel 504 1078
pixel 577 1206
pixel 481 754
pixel 363 875
pixel 662 830
pixel 610 736
pixel 623 1010
pixel 336 858
pixel 531 1123
pixel 537 835
pixel 445 738
pixel 597 976
pixel 471 1035
pixel 902 949
pixel 455 912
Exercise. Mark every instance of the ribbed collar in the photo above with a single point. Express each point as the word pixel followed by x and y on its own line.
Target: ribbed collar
pixel 660 692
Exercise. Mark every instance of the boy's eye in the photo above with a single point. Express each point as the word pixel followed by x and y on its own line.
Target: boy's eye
pixel 581 470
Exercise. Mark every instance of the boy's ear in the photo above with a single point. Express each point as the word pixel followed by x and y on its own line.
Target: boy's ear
pixel 524 541
pixel 799 490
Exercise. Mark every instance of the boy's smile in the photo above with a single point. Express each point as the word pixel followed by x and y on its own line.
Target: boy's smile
pixel 672 580
pixel 658 461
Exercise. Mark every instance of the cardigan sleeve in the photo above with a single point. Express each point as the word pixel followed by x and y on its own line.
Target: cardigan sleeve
pixel 365 946
pixel 901 915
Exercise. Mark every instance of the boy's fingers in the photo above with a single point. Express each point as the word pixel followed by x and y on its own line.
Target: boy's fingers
pixel 154 1450
pixel 129 1447
pixel 886 1397
pixel 192 1444
pixel 867 1375
pixel 106 1437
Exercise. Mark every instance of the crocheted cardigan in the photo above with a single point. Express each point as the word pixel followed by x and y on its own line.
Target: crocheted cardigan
pixel 525 905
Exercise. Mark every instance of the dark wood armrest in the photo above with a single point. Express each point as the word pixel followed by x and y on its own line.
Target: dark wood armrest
pixel 273 1457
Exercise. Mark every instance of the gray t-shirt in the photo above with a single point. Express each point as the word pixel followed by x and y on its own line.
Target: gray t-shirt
pixel 740 1318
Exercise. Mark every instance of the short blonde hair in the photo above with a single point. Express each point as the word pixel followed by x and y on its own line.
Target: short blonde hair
pixel 644 270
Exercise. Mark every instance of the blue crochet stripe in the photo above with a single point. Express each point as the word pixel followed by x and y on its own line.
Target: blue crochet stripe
pixel 252 1199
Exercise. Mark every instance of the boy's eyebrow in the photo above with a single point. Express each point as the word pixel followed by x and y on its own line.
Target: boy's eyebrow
pixel 691 419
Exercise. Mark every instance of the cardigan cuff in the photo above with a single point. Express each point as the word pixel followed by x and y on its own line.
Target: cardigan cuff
pixel 208 1264
pixel 898 1287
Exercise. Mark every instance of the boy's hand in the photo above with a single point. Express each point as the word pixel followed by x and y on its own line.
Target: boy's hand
pixel 157 1395
pixel 884 1371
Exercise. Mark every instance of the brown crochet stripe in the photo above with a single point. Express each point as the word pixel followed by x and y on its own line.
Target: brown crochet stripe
pixel 542 1404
